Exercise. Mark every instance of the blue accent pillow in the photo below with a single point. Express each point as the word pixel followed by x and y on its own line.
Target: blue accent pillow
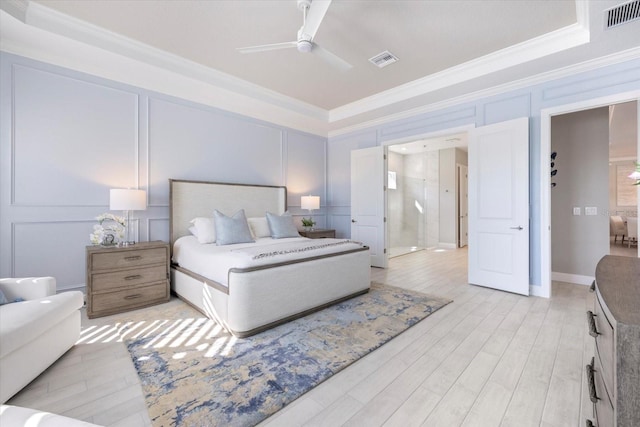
pixel 230 230
pixel 282 226
pixel 3 299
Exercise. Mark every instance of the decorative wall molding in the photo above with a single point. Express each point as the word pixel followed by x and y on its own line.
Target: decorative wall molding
pixel 594 64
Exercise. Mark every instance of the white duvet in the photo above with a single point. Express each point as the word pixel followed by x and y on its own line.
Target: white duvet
pixel 214 262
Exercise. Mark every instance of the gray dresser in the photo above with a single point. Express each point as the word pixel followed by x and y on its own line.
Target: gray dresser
pixel 614 372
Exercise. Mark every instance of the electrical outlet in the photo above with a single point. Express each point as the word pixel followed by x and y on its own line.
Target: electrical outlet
pixel 590 210
pixel 576 210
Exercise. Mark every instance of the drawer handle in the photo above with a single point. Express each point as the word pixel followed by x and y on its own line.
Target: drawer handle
pixel 134 296
pixel 592 384
pixel 132 258
pixel 592 324
pixel 592 288
pixel 589 423
pixel 134 277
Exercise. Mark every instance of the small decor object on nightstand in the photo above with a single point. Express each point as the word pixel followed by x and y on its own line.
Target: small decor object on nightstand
pixel 308 223
pixel 109 231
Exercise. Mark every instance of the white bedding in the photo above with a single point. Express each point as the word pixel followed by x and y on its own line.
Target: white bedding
pixel 214 262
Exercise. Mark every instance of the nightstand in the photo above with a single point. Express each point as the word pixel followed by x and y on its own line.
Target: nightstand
pixel 125 278
pixel 318 233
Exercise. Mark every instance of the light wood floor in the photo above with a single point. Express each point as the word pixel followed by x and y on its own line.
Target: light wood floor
pixel 488 359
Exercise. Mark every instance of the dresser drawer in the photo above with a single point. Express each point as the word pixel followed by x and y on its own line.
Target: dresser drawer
pixel 107 260
pixel 598 395
pixel 104 282
pixel 604 347
pixel 126 299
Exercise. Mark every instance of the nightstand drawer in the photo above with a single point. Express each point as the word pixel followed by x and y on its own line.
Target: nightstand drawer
pixel 102 282
pixel 129 298
pixel 107 260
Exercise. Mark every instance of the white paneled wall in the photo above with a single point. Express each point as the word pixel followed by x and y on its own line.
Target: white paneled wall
pixel 66 138
pixel 527 102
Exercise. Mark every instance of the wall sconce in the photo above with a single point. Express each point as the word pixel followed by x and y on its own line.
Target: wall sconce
pixel 127 200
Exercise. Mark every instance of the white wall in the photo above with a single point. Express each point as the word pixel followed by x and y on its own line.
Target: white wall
pixel 482 110
pixel 66 138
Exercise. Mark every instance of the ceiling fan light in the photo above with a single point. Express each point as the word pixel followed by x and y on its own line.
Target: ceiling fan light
pixel 304 46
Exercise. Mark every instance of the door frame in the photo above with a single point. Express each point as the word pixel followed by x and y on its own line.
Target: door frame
pixel 546 114
pixel 459 167
pixel 429 135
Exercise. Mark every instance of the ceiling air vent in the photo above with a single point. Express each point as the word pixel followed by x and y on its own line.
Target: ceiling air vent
pixel 385 58
pixel 622 14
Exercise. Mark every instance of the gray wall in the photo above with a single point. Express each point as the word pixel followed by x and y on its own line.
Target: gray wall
pixel 521 102
pixel 582 142
pixel 66 138
pixel 448 197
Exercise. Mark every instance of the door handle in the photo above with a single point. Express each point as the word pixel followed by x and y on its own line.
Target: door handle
pixel 516 228
pixel 353 220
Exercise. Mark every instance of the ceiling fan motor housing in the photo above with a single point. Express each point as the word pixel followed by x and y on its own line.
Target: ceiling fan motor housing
pixel 304 4
pixel 304 46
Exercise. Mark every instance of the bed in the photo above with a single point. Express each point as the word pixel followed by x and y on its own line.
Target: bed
pixel 277 285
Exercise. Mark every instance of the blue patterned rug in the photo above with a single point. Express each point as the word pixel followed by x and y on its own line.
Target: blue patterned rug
pixel 195 374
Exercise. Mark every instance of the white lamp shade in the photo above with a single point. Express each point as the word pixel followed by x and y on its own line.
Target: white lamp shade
pixel 310 202
pixel 127 200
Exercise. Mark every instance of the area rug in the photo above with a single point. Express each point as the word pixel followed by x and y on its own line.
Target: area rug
pixel 195 374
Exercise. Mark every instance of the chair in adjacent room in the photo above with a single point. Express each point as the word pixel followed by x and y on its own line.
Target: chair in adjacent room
pixel 632 231
pixel 618 228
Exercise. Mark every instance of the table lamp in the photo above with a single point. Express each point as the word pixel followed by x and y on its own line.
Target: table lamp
pixel 127 200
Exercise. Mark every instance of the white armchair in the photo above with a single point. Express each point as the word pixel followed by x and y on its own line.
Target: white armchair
pixel 34 333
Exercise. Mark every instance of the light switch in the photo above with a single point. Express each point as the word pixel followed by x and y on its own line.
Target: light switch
pixel 576 210
pixel 590 210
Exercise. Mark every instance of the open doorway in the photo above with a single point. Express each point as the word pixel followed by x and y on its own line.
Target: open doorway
pixel 426 200
pixel 585 211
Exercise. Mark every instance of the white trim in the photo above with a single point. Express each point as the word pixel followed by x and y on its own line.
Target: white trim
pixel 448 246
pixel 51 20
pixel 538 47
pixel 536 291
pixel 545 178
pixel 568 71
pixel 572 278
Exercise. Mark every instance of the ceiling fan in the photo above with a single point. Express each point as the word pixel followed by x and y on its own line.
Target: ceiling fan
pixel 313 12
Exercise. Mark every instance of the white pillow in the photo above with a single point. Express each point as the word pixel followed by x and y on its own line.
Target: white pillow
pixel 259 227
pixel 205 229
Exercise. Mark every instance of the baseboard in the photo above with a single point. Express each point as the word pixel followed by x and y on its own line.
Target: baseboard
pixel 447 245
pixel 536 291
pixel 572 278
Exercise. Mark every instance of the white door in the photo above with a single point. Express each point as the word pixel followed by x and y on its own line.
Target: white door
pixel 368 225
pixel 463 209
pixel 499 206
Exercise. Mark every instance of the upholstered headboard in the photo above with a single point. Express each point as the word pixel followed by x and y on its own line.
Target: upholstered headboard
pixel 190 199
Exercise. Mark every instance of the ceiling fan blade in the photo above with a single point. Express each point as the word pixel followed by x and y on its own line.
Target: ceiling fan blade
pixel 332 59
pixel 315 15
pixel 265 47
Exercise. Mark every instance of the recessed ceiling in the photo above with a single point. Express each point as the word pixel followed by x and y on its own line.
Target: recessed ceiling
pixel 449 51
pixel 426 36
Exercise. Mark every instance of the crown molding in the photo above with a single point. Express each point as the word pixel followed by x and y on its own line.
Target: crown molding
pixel 547 44
pixel 593 64
pixel 51 20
